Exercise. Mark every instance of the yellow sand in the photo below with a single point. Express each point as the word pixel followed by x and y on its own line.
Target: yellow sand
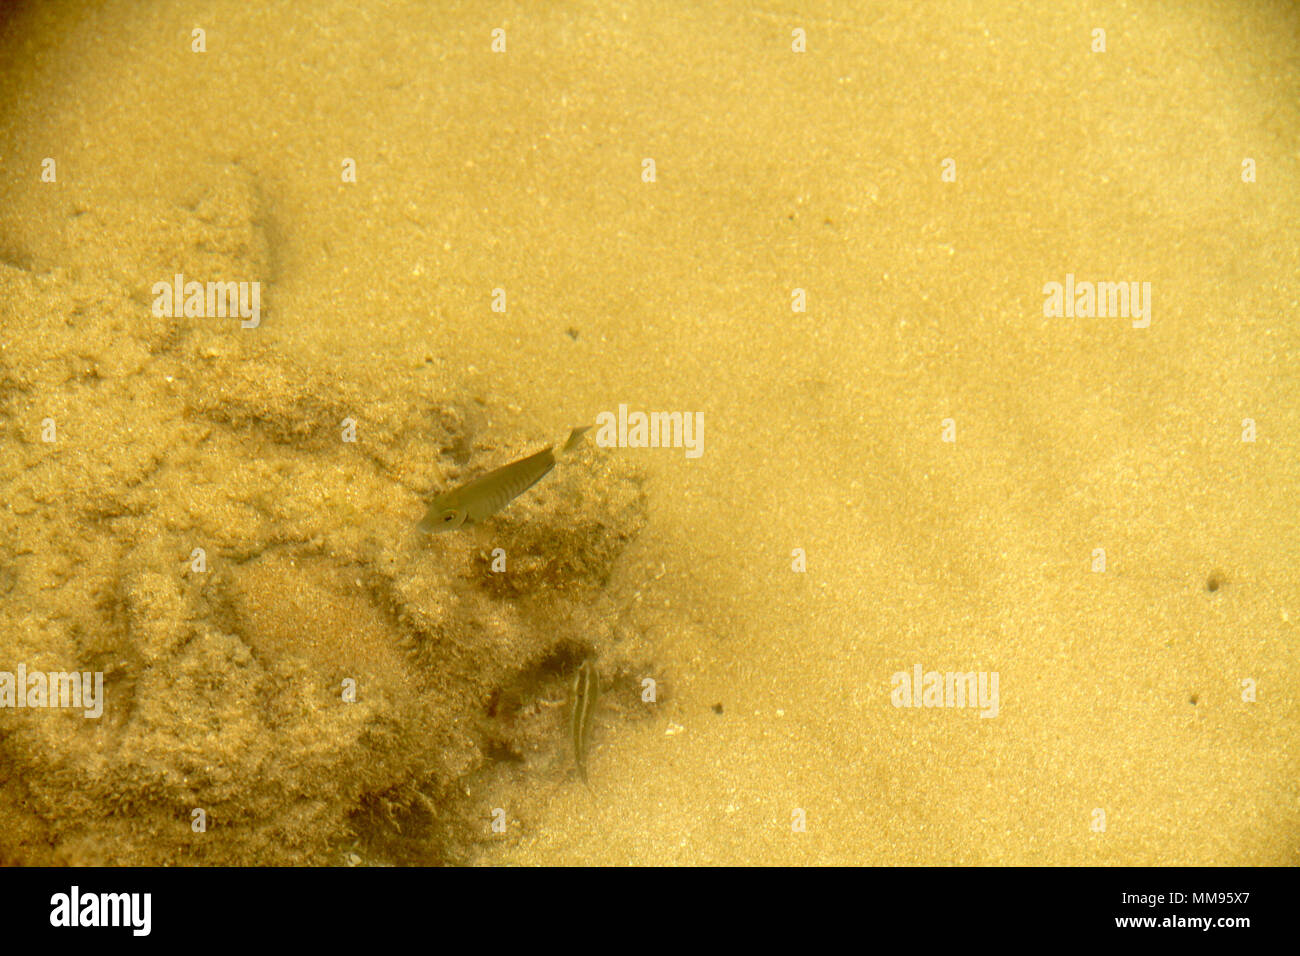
pixel 1120 691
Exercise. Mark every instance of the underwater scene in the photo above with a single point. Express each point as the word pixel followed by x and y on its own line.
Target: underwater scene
pixel 664 433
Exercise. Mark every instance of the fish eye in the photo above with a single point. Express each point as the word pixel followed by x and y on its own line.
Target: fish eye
pixel 449 516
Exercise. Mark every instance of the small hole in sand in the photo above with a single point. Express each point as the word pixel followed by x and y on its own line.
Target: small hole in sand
pixel 1214 581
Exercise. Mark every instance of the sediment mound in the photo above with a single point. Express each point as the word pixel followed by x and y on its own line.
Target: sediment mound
pixel 199 532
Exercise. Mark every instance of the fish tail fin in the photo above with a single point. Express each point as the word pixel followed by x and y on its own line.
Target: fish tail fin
pixel 575 436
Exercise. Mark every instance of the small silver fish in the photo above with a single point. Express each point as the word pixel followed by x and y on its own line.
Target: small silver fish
pixel 586 691
pixel 475 502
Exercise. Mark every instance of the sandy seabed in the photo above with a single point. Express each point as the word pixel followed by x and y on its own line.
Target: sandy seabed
pixel 919 470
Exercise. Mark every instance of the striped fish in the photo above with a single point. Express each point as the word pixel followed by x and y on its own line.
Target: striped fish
pixel 475 502
pixel 586 691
